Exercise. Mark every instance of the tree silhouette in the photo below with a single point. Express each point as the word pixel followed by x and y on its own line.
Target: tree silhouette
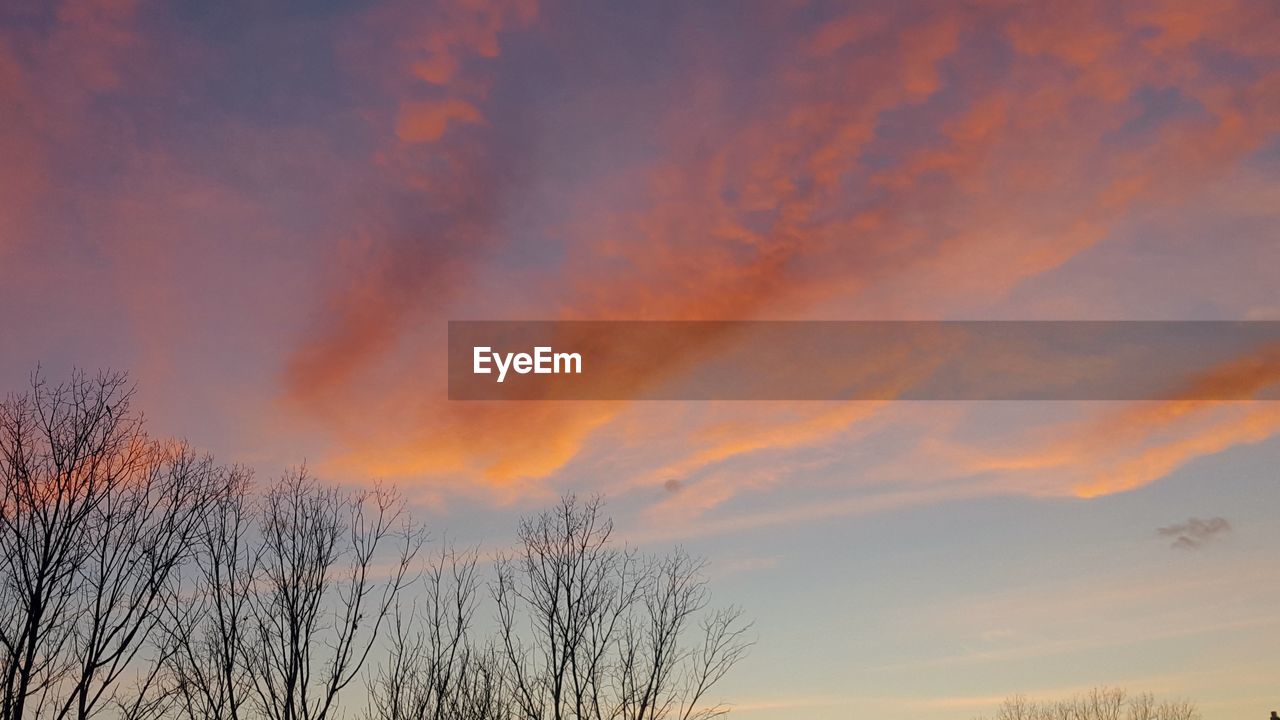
pixel 206 666
pixel 144 581
pixel 290 607
pixel 96 522
pixel 435 669
pixel 591 630
pixel 1098 704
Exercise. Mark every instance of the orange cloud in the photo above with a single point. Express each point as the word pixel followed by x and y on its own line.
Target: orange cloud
pixel 427 121
pixel 1151 464
pixel 417 244
pixel 1139 443
pixel 783 429
pixel 885 162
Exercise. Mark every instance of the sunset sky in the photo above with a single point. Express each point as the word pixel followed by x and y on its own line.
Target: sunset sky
pixel 267 212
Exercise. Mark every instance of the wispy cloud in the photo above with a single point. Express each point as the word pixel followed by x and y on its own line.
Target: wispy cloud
pixel 995 173
pixel 1195 532
pixel 846 163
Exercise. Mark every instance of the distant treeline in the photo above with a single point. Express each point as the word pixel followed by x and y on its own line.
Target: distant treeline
pixel 1098 704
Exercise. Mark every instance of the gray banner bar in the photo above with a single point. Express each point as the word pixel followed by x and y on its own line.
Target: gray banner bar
pixel 889 360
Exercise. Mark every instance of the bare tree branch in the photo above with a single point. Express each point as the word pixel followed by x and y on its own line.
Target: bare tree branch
pixel 96 522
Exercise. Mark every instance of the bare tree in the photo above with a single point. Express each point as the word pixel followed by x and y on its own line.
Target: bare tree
pixel 593 631
pixel 141 580
pixel 320 596
pixel 435 670
pixel 207 673
pixel 96 521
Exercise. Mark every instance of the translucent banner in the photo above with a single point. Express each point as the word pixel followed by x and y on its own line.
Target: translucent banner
pixel 889 360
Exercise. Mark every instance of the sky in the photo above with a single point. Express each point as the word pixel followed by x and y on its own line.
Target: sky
pixel 268 212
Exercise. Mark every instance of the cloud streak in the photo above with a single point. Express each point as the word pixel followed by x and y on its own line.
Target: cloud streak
pixel 1195 533
pixel 412 163
pixel 898 163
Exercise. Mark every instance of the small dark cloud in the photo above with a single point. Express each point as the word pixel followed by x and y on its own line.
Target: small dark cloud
pixel 673 485
pixel 1195 532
